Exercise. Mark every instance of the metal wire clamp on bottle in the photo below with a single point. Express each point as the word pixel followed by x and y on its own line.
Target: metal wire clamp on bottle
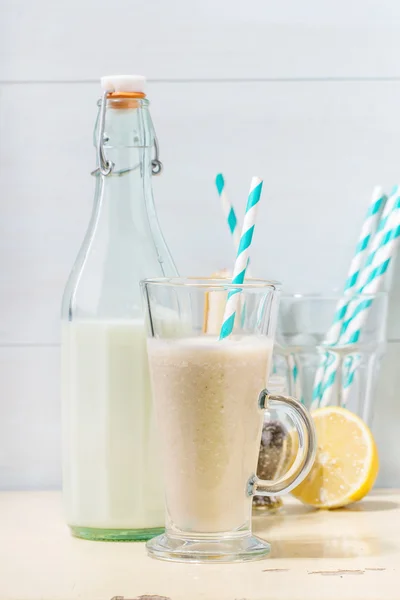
pixel 106 167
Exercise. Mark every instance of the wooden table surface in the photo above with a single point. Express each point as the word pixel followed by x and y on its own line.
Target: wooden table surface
pixel 351 554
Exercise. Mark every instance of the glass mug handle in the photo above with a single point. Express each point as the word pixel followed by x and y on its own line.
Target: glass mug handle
pixel 306 452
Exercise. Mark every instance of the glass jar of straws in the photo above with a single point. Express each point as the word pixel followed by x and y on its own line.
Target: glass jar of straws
pixel 341 373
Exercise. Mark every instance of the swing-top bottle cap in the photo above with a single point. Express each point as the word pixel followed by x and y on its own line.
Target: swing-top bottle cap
pixel 115 84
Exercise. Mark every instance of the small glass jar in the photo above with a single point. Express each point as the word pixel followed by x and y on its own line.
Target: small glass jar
pixel 274 449
pixel 319 372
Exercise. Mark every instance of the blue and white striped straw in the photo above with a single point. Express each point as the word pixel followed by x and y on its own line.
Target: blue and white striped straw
pixel 380 253
pixel 296 380
pixel 232 222
pixel 372 277
pixel 326 371
pixel 228 209
pixel 242 258
pixel 368 229
pixel 230 215
pixel 383 249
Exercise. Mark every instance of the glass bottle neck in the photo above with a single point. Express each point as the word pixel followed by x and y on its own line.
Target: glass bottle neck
pixel 125 197
pixel 125 126
pixel 123 243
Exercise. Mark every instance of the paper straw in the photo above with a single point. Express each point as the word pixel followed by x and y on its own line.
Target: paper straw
pixel 367 232
pixel 383 250
pixel 388 223
pixel 354 363
pixel 228 209
pixel 368 229
pixel 373 279
pixel 382 247
pixel 230 214
pixel 242 258
pixel 296 379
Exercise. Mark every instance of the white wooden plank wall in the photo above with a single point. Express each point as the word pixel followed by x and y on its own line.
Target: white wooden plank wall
pixel 305 94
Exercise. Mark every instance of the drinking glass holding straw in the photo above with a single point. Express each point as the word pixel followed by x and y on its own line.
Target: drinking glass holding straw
pixel 209 393
pixel 347 334
pixel 331 355
pixel 276 442
pixel 303 321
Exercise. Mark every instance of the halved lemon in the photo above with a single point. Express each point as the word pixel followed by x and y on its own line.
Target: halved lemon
pixel 347 461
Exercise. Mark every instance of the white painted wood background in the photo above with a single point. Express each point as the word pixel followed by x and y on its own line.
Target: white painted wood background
pixel 305 94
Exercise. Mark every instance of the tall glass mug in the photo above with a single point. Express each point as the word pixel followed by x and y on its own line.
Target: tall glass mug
pixel 210 396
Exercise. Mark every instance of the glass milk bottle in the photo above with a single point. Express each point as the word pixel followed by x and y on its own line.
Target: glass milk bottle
pixel 111 471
